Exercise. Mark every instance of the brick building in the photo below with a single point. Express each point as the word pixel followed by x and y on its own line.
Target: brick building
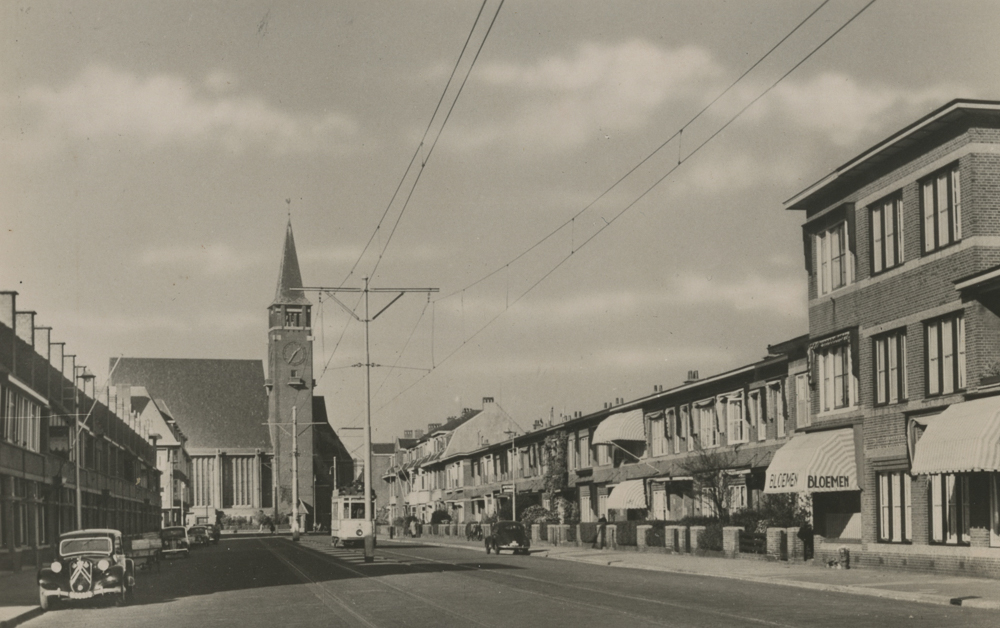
pixel 902 247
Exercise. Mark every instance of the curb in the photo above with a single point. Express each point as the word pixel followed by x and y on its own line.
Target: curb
pixel 903 596
pixel 27 615
pixel 926 598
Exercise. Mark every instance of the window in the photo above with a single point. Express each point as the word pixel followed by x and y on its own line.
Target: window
pixel 775 408
pixel 755 409
pixel 708 424
pixel 887 234
pixel 689 427
pixel 941 198
pixel 585 458
pixel 835 267
pixel 945 339
pixel 890 368
pixel 736 426
pixel 737 497
pixel 603 455
pixel 802 407
pixel 836 379
pixel 680 428
pixel 658 434
pixel 950 509
pixel 895 509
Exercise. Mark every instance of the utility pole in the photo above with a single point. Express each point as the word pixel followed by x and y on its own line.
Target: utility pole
pixel 369 524
pixel 513 475
pixel 295 466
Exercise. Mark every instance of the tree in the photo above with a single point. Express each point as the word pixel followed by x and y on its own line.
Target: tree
pixel 708 469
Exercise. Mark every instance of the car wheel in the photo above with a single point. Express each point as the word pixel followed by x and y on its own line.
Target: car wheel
pixel 44 601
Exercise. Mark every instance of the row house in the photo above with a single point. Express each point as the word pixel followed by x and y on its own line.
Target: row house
pixel 70 458
pixel 635 459
pixel 902 248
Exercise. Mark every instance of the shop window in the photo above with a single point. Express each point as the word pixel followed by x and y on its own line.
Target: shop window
pixel 941 201
pixel 949 509
pixel 890 367
pixel 895 508
pixel 887 234
pixel 945 343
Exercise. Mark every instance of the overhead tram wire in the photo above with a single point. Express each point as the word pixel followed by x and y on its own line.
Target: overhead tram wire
pixel 420 145
pixel 681 161
pixel 437 136
pixel 406 172
pixel 622 178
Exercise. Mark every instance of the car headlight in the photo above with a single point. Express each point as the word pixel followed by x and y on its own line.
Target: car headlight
pixel 103 564
pixel 56 566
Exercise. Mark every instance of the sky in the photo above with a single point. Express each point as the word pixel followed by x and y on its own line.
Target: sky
pixel 152 154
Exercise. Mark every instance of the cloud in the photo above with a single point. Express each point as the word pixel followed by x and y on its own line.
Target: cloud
pixel 564 101
pixel 212 259
pixel 750 293
pixel 848 111
pixel 160 109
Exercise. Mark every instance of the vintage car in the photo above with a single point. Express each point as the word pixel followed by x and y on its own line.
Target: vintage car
pixel 198 535
pixel 90 563
pixel 510 535
pixel 175 541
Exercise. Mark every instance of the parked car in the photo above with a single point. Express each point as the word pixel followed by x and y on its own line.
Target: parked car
pixel 88 564
pixel 508 535
pixel 198 535
pixel 175 541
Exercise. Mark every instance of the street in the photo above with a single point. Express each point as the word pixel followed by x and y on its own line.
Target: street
pixel 270 581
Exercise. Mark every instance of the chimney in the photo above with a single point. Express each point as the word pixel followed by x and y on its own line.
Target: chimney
pixel 407 433
pixel 487 401
pixel 24 326
pixel 418 433
pixel 692 377
pixel 432 426
pixel 43 336
pixel 8 305
pixel 56 350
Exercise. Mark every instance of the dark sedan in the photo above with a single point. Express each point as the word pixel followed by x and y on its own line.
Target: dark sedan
pixel 508 535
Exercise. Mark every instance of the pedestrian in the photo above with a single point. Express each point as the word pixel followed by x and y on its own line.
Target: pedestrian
pixel 272 527
pixel 413 527
pixel 602 524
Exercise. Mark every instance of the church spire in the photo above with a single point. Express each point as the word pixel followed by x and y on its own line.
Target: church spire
pixel 289 276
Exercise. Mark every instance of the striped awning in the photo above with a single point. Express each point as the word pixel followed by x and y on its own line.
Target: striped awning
pixel 820 462
pixel 624 426
pixel 962 439
pixel 629 494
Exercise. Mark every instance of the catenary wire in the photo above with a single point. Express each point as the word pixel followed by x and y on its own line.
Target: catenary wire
pixel 608 223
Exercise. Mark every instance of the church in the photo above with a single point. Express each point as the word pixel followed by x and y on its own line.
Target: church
pixel 256 435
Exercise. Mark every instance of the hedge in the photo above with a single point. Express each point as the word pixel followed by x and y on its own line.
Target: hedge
pixel 588 532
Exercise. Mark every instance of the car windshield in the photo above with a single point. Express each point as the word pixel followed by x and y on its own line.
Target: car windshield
pixel 95 545
pixel 509 526
pixel 197 530
pixel 172 533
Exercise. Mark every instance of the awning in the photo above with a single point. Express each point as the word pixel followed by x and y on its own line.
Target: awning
pixel 962 439
pixel 819 462
pixel 621 426
pixel 629 494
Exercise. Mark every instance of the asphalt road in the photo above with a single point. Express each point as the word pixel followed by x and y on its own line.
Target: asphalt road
pixel 272 582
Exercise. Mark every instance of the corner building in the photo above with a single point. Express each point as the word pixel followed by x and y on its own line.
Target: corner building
pixel 902 247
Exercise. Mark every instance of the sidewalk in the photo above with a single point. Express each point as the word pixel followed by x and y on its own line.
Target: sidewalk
pixel 18 597
pixel 897 585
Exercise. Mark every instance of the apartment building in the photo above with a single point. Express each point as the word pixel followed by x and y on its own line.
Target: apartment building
pixel 902 247
pixel 51 418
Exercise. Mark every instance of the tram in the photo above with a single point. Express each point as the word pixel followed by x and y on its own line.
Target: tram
pixel 347 520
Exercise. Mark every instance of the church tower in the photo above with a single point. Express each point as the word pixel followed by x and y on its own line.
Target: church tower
pixel 290 383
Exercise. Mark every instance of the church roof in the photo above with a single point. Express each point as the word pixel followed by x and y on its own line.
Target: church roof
pixel 217 403
pixel 289 275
